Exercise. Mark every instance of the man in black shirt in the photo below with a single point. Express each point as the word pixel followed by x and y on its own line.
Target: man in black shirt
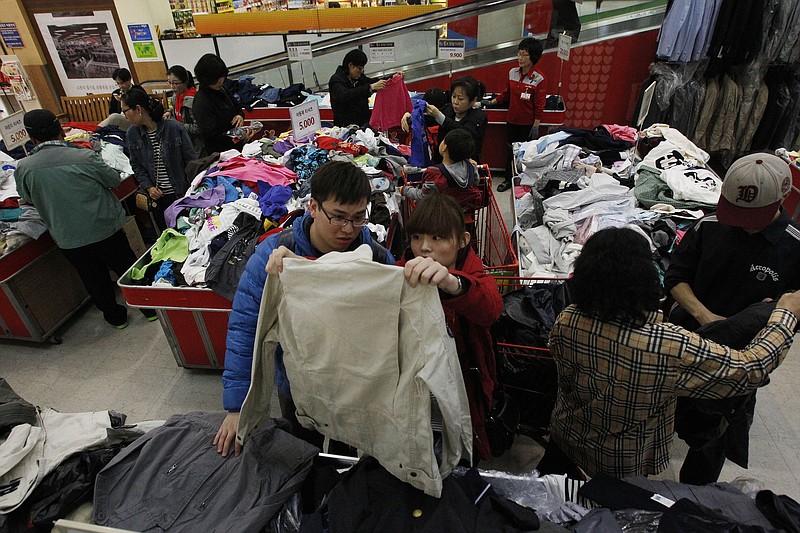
pixel 350 90
pixel 748 252
pixel 122 77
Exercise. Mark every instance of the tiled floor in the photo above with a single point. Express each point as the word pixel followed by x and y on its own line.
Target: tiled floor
pixel 134 371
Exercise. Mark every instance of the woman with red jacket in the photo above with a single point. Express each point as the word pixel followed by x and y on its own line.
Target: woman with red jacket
pixel 440 255
pixel 525 96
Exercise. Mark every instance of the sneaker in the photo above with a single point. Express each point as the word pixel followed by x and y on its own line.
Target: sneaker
pixel 121 326
pixel 149 314
pixel 504 186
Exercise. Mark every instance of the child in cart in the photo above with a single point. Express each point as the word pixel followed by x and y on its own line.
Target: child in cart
pixel 455 176
pixel 440 255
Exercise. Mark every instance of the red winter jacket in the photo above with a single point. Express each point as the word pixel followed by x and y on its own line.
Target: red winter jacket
pixel 469 316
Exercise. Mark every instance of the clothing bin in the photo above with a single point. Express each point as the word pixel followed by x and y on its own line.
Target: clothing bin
pixel 39 291
pixel 195 320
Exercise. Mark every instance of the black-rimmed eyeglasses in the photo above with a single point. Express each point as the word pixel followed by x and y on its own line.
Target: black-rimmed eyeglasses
pixel 357 222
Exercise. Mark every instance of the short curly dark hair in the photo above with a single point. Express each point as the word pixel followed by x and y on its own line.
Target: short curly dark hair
pixel 615 277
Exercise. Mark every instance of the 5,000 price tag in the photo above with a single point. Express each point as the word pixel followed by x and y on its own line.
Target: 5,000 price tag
pixel 305 119
pixel 13 131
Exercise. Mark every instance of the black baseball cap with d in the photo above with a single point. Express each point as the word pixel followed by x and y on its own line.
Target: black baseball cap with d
pixel 41 124
pixel 752 191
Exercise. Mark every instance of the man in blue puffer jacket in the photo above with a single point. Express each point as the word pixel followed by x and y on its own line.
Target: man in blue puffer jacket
pixel 335 221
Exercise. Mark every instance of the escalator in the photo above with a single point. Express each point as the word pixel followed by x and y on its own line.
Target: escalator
pixel 500 24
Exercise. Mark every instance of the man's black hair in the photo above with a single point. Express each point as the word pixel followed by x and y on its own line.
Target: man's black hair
pixel 533 47
pixel 340 181
pixel 615 277
pixel 121 74
pixel 209 69
pixel 357 57
pixel 460 144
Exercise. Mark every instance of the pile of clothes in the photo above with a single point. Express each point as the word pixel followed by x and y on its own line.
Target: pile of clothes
pixel 576 182
pixel 238 198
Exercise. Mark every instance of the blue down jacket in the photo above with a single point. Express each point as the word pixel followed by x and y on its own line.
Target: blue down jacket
pixel 244 316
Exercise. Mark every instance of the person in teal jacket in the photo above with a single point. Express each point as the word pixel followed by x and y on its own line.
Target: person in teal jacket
pixel 335 221
pixel 71 189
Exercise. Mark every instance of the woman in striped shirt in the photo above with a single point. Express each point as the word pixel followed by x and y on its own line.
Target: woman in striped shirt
pixel 159 151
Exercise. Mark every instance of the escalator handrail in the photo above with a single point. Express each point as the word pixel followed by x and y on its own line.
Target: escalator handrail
pixel 351 40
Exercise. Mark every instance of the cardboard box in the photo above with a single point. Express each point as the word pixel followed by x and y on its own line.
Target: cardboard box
pixel 134 236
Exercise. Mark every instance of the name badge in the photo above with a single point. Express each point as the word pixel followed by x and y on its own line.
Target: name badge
pixel 525 96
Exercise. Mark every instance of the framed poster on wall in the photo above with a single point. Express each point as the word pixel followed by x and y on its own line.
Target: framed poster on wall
pixel 84 48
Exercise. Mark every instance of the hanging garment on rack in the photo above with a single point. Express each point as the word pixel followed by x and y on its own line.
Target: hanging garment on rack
pixel 708 111
pixel 721 135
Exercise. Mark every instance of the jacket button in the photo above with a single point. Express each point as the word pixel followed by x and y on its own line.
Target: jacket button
pixel 101 516
pixel 416 513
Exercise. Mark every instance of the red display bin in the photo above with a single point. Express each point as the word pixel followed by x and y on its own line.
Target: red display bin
pixel 194 320
pixel 39 291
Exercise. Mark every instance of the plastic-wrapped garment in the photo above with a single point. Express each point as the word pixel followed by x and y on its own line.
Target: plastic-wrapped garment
pixel 778 103
pixel 543 494
pixel 721 135
pixel 603 520
pixel 708 110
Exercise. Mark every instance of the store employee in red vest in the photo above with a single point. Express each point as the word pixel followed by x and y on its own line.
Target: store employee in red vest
pixel 525 95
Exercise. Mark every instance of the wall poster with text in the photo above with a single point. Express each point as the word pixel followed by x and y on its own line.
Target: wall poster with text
pixel 85 49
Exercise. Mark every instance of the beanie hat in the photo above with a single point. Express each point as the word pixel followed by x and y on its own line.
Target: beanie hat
pixel 752 191
pixel 41 124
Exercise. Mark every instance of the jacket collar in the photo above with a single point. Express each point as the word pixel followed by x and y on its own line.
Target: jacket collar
pixel 302 237
pixel 56 142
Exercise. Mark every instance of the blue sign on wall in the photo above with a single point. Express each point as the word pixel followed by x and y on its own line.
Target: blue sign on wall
pixel 140 32
pixel 10 35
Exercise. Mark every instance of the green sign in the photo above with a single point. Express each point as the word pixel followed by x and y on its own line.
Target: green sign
pixel 145 50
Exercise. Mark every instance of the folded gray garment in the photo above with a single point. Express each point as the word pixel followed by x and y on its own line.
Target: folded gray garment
pixel 13 409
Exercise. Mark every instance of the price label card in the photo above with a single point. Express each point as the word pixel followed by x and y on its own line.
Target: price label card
pixel 381 52
pixel 451 49
pixel 564 43
pixel 13 131
pixel 305 119
pixel 299 50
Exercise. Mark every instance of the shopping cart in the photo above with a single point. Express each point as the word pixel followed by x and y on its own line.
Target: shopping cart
pixel 490 236
pixel 527 373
